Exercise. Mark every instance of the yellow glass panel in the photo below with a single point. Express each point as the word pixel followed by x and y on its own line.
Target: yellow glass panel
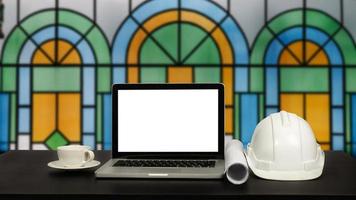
pixel 69 116
pixel 65 48
pixel 43 115
pixel 318 115
pixel 325 147
pixel 296 48
pixel 40 58
pixel 228 121
pixel 187 16
pixel 228 82
pixel 178 74
pixel 293 103
pixel 132 73
pixel 163 18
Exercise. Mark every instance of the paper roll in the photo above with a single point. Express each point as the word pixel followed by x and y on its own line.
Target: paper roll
pixel 236 168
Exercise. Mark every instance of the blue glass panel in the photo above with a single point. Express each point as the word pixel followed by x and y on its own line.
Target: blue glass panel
pixel 24 120
pixel 338 143
pixel 337 86
pixel 271 110
pixel 152 7
pixel 353 118
pixel 237 40
pixel 107 121
pixel 24 86
pixel 88 120
pixel 4 121
pixel 121 41
pixel 249 116
pixel 89 140
pixel 272 87
pixel 241 78
pixel 88 86
pixel 272 55
pixel 118 75
pixel 337 120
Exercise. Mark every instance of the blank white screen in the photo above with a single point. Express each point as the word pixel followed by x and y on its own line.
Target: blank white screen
pixel 168 120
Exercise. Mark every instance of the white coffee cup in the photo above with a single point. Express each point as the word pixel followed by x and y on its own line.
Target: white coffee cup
pixel 74 155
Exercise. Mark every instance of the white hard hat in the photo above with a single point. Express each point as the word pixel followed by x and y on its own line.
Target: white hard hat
pixel 283 147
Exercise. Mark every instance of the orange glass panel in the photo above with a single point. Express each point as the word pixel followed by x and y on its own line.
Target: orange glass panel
pixel 293 103
pixel 296 48
pixel 228 82
pixel 132 73
pixel 163 18
pixel 318 115
pixel 39 56
pixel 178 74
pixel 228 121
pixel 69 116
pixel 325 147
pixel 43 115
pixel 71 54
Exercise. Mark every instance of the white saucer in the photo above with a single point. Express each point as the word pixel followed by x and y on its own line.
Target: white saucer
pixel 59 165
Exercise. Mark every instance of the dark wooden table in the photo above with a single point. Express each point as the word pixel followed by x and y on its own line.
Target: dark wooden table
pixel 24 174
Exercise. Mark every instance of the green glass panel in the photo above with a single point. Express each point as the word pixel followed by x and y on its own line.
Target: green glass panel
pixel 153 74
pixel 256 79
pixel 190 37
pixel 322 21
pixel 56 140
pixel 207 53
pixel 75 21
pixel 348 124
pixel 99 117
pixel 104 80
pixel 207 74
pixel 292 18
pixel 152 54
pixel 38 21
pixel 56 79
pixel 13 118
pixel 167 37
pixel 350 80
pixel 304 79
pixel 348 48
pixel 260 46
pixel 13 46
pixel 100 46
pixel 9 79
pixel 261 106
pixel 348 148
pixel 237 117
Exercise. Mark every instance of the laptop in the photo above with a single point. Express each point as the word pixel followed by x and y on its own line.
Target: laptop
pixel 166 131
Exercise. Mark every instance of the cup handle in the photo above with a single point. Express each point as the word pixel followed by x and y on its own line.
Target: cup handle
pixel 90 155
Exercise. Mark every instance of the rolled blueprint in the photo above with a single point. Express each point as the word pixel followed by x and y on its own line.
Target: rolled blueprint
pixel 236 168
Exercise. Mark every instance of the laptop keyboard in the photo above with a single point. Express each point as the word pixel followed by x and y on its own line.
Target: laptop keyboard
pixel 165 163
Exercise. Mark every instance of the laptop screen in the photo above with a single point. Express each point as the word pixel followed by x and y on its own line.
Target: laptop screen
pixel 169 120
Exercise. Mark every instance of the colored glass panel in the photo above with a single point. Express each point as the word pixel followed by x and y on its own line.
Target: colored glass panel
pixel 304 79
pixel 228 81
pixel 293 103
pixel 8 79
pixel 353 119
pixel 249 116
pixel 167 37
pixel 4 122
pixel 180 74
pixel 69 117
pixel 229 124
pixel 256 83
pixel 206 74
pixel 318 115
pixel 55 140
pixel 237 133
pixel 350 80
pixel 43 116
pixel 153 74
pixel 56 79
pixel 104 81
